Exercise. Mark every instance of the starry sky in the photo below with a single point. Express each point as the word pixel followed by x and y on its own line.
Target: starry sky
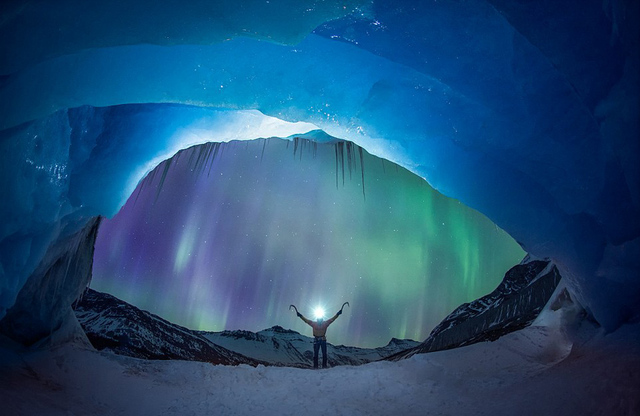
pixel 228 235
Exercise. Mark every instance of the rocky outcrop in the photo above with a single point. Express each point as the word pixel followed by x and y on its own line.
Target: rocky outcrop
pixel 115 325
pixel 513 305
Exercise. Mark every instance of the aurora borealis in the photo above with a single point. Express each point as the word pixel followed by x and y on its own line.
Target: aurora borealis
pixel 239 231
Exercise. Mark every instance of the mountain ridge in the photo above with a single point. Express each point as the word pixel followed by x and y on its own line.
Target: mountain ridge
pixel 115 325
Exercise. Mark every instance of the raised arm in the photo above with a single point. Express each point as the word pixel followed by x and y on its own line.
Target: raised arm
pixel 308 321
pixel 334 317
pixel 329 321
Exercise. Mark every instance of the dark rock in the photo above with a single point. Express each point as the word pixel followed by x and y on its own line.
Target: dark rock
pixel 117 326
pixel 113 324
pixel 513 305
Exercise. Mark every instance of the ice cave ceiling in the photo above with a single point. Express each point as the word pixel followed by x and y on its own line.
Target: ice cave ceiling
pixel 525 111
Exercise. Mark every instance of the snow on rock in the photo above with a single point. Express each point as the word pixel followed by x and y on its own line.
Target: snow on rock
pixel 114 325
pixel 117 326
pixel 514 304
pixel 282 346
pixel 538 370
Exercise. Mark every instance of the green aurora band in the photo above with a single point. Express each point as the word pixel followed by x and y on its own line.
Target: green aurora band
pixel 226 236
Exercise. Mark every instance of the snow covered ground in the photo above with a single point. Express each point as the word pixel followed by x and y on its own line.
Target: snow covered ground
pixel 541 370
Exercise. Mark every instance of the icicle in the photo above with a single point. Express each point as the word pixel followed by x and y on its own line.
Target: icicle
pixel 147 181
pixel 167 165
pixel 208 159
pixel 197 150
pixel 153 175
pixel 295 146
pixel 335 147
pixel 202 150
pixel 140 188
pixel 349 157
pixel 192 152
pixel 216 148
pixel 264 144
pixel 352 162
pixel 340 146
pixel 300 145
pixel 362 171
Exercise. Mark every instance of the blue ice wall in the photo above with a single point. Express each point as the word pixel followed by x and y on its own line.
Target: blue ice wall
pixel 33 32
pixel 526 111
pixel 63 169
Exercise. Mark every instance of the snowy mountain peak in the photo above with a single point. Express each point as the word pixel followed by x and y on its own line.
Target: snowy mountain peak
pixel 113 324
pixel 281 330
pixel 513 305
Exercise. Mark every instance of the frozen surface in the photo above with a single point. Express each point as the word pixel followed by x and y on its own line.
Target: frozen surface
pixel 281 346
pixel 538 370
pixel 66 168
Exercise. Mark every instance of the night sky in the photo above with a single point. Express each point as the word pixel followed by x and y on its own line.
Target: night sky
pixel 229 235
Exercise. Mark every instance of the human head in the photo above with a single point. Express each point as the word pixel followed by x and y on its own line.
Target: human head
pixel 318 313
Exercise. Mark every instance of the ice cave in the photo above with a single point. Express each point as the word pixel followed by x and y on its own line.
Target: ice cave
pixel 526 114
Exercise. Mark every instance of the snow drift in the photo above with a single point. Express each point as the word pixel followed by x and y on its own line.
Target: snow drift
pixel 562 367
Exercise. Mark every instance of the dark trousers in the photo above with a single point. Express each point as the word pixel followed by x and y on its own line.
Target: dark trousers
pixel 317 344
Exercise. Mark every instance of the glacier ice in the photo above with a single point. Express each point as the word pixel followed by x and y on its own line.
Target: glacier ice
pixel 44 302
pixel 525 111
pixel 83 162
pixel 36 32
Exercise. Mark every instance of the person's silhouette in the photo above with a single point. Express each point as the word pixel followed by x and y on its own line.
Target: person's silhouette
pixel 319 334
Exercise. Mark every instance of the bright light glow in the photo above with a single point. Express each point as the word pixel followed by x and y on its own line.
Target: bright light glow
pixel 318 312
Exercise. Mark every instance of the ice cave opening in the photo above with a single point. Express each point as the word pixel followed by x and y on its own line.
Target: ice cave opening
pixel 225 235
pixel 497 104
pixel 526 111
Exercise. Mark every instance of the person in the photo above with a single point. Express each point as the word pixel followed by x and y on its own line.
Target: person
pixel 319 336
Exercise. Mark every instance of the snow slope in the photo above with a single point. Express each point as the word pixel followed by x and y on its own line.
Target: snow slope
pixel 282 346
pixel 552 370
pixel 514 304
pixel 114 325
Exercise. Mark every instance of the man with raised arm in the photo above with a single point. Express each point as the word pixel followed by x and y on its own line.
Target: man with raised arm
pixel 319 326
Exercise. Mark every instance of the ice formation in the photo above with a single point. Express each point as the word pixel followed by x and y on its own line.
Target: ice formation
pixel 526 111
pixel 227 235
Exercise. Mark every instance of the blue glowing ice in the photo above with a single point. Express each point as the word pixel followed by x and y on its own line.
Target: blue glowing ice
pixel 510 106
